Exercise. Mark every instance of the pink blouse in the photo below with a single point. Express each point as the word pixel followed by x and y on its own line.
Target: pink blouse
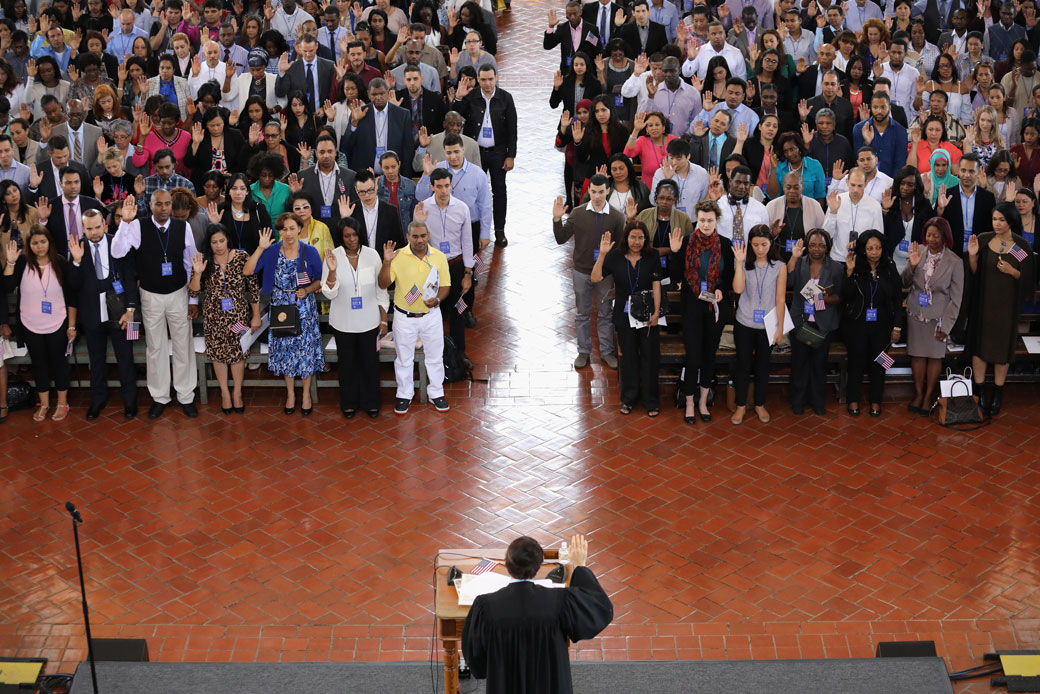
pixel 650 156
pixel 33 291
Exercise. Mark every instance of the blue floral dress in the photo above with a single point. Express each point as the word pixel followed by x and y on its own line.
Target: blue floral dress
pixel 302 355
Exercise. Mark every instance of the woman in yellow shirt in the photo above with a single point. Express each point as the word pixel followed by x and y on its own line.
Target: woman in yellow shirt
pixel 315 233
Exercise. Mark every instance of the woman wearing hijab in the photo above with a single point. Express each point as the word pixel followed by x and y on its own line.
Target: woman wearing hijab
pixel 940 164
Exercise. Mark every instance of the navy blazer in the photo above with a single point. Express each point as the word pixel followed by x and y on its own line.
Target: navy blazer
pixel 56 222
pixel 561 36
pixel 388 227
pixel 359 144
pixel 982 220
pixel 90 287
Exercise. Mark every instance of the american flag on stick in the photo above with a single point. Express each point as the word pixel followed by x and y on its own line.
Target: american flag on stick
pixel 885 360
pixel 239 327
pixel 1019 253
pixel 412 295
pixel 478 264
pixel 133 330
pixel 461 305
pixel 303 278
pixel 818 304
pixel 483 567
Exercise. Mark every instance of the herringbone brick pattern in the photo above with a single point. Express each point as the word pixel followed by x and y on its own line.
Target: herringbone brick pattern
pixel 264 537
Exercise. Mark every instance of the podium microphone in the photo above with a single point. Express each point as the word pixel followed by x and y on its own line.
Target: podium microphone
pixel 76 520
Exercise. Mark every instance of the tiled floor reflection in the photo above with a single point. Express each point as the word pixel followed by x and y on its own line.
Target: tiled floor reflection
pixel 263 537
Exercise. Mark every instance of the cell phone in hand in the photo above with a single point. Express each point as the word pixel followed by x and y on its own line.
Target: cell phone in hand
pixel 853 235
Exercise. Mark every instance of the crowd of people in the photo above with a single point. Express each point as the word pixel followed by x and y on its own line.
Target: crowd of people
pixel 863 171
pixel 174 161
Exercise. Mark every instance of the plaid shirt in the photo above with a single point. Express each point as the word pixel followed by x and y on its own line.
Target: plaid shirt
pixel 154 183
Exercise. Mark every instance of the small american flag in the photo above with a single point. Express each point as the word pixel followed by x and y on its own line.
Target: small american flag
pixel 133 330
pixel 1019 253
pixel 885 360
pixel 412 295
pixel 303 278
pixel 239 327
pixel 484 566
pixel 461 305
pixel 818 302
pixel 478 264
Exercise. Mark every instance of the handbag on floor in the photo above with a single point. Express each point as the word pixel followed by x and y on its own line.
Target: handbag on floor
pixel 961 412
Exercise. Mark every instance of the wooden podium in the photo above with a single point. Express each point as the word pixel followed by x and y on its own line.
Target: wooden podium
pixel 450 615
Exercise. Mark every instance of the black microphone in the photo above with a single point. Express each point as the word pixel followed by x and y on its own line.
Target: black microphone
pixel 72 510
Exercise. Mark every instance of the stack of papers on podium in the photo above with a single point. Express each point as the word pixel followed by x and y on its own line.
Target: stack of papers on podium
pixel 489 582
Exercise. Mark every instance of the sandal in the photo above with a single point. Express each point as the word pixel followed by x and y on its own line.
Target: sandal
pixel 60 413
pixel 653 413
pixel 41 413
pixel 626 409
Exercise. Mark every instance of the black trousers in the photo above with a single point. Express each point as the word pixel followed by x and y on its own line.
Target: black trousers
pixel 358 369
pixel 97 348
pixel 808 374
pixel 471 295
pixel 492 159
pixel 640 358
pixel 49 363
pixel 701 334
pixel 456 321
pixel 752 357
pixel 864 342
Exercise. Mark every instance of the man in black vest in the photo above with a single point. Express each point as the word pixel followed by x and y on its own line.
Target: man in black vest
pixel 164 248
pixel 108 300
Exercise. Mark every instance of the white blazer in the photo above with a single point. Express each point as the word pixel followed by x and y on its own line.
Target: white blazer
pixel 239 93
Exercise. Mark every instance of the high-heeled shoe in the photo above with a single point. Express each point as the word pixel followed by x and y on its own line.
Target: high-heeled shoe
pixel 289 410
pixel 227 410
pixel 239 410
pixel 306 411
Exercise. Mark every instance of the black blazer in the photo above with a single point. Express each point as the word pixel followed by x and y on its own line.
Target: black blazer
pixel 56 222
pixel 388 227
pixel 844 118
pixel 590 150
pixel 934 22
pixel 656 39
pixel 699 149
pixel 982 221
pixel 894 231
pixel 565 94
pixel 503 117
pixel 49 187
pixel 590 43
pixel 359 144
pixel 311 183
pixel 295 78
pixel 90 287
pixel 807 82
pixel 432 112
pixel 236 154
pixel 590 14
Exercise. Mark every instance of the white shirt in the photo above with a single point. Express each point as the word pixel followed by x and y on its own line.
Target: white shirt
pixel 904 85
pixel 327 184
pixel 371 219
pixel 699 65
pixel 380 119
pixel 351 284
pixel 754 213
pixel 207 74
pixel 862 216
pixel 286 23
pixel 876 186
pixel 486 136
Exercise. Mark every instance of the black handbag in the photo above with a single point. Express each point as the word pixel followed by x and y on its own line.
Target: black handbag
pixel 958 411
pixel 285 321
pixel 641 305
pixel 810 335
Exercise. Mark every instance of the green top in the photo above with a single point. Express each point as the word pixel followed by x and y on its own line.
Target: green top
pixel 276 203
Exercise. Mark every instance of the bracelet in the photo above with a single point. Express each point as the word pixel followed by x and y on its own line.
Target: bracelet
pixel 382 322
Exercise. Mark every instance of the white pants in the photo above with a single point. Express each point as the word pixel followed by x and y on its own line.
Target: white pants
pixel 430 329
pixel 159 313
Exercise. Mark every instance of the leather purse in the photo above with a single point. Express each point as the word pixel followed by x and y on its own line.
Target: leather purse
pixel 959 410
pixel 810 335
pixel 285 321
pixel 641 305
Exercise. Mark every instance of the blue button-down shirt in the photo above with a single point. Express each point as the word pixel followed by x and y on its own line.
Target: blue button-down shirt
pixel 40 48
pixel 19 173
pixel 666 14
pixel 967 212
pixel 855 15
pixel 471 185
pixel 450 230
pixel 120 44
pixel 889 146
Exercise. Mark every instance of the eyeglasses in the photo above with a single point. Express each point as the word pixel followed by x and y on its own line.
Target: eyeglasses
pixel 366 191
pixel 300 208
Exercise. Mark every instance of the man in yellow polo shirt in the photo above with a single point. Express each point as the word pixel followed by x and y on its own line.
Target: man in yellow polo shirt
pixel 418 270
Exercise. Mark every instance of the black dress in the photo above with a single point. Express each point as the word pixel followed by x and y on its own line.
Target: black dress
pixel 517 637
pixel 866 338
pixel 640 347
pixel 245 234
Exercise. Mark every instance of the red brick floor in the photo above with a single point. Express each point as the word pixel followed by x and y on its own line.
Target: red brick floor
pixel 266 538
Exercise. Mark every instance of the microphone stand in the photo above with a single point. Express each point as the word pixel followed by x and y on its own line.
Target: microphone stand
pixel 76 520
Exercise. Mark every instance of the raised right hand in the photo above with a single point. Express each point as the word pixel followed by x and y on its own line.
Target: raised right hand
pixel 266 238
pixel 739 251
pixel 833 202
pixel 330 260
pixel 559 209
pixel 388 251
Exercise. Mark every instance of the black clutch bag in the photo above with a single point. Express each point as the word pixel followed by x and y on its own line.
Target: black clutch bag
pixel 285 321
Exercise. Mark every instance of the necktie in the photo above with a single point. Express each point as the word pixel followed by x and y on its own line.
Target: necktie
pixel 943 6
pixel 73 223
pixel 602 26
pixel 98 270
pixel 732 121
pixel 713 154
pixel 310 86
pixel 332 45
pixel 162 230
pixel 416 116
pixel 738 221
pixel 77 148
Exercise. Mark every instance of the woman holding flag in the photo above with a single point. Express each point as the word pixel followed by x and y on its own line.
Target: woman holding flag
pixel 291 272
pixel 229 299
pixel 1002 265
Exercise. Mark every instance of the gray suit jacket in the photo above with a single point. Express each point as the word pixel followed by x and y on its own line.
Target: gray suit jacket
pixel 947 286
pixel 90 135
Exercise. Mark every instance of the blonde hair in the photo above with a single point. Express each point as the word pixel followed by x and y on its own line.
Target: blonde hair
pixel 998 139
pixel 111 154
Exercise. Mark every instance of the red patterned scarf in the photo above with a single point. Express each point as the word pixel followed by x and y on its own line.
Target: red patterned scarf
pixel 695 247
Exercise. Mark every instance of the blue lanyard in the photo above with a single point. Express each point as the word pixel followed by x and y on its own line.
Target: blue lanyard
pixel 444 223
pixel 632 283
pixel 873 290
pixel 164 246
pixel 761 283
pixel 462 174
pixel 787 216
pixel 47 286
pixel 671 96
pixel 378 131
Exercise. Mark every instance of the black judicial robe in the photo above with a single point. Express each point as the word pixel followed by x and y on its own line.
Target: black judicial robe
pixel 516 637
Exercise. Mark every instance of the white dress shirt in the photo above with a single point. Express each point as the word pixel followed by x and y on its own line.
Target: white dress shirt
pixel 371 220
pixel 353 284
pixel 754 213
pixel 876 186
pixel 862 216
pixel 904 85
pixel 207 74
pixel 486 136
pixel 699 65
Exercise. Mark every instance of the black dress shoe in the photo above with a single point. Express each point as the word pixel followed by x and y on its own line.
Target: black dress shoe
pixel 156 410
pixel 913 409
pixel 820 410
pixel 705 417
pixel 239 410
pixel 500 239
pixel 798 410
pixel 689 420
pixel 349 414
pixel 471 320
pixel 190 410
pixel 854 411
pixel 306 411
pixel 875 412
pixel 130 412
pixel 94 411
pixel 373 413
pixel 227 410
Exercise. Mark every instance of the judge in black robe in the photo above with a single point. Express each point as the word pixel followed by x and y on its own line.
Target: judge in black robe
pixel 516 638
